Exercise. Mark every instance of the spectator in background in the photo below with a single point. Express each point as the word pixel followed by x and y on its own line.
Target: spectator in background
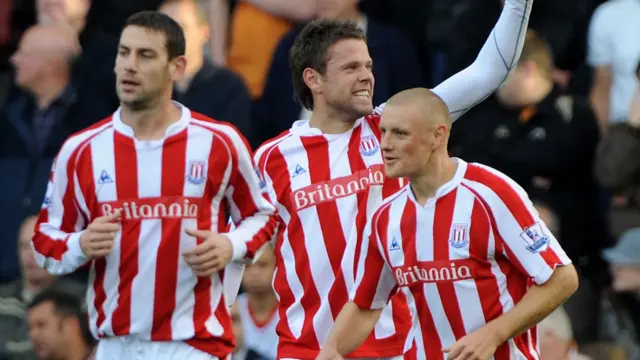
pixel 207 88
pixel 258 308
pixel 42 110
pixel 556 338
pixel 545 140
pixel 15 297
pixel 618 169
pixel 613 52
pixel 240 351
pixel 253 28
pixel 624 259
pixel 395 65
pixel 59 328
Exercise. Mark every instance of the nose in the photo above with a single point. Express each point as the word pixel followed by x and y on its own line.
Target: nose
pixel 385 142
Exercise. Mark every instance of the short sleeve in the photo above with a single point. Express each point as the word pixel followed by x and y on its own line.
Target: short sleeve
pixel 375 283
pixel 599 41
pixel 522 236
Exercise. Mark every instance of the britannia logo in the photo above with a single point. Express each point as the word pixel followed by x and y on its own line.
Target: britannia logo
pixel 433 272
pixel 196 172
pixel 368 145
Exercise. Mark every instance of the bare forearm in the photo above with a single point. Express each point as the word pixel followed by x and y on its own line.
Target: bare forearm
pixel 351 328
pixel 300 10
pixel 537 303
pixel 218 15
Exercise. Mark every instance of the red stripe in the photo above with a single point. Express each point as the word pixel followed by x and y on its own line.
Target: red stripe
pixel 356 163
pixel 521 211
pixel 87 182
pixel 166 277
pixel 218 157
pixel 276 168
pixel 517 283
pixel 318 156
pixel 431 340
pixel 443 218
pixel 245 204
pixel 100 267
pixel 126 169
pixel 373 264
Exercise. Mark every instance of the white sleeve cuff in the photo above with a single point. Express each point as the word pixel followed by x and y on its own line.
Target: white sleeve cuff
pixel 74 251
pixel 238 245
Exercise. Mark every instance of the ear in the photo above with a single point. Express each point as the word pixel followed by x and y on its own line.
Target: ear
pixel 313 79
pixel 441 135
pixel 177 68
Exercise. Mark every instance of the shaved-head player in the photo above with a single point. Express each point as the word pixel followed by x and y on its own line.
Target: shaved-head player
pixel 462 240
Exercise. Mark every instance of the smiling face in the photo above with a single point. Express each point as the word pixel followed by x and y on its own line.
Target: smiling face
pixel 346 88
pixel 414 126
pixel 144 69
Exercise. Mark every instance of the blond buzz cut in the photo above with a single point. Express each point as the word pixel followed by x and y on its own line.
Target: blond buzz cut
pixel 427 104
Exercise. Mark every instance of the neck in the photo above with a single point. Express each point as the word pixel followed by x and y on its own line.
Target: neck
pixel 78 350
pixel 330 122
pixel 439 171
pixel 262 303
pixel 50 89
pixel 152 122
pixel 194 64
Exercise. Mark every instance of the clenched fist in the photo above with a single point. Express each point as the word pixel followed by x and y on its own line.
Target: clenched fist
pixel 98 239
pixel 211 255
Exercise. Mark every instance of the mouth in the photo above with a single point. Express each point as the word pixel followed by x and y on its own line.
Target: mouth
pixel 364 94
pixel 127 84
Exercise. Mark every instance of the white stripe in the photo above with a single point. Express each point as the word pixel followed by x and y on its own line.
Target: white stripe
pixel 467 290
pixel 143 286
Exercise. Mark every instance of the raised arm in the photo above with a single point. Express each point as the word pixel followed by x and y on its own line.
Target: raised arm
pixel 497 57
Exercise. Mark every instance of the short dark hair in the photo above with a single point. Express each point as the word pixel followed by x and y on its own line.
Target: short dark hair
pixel 310 50
pixel 65 304
pixel 157 21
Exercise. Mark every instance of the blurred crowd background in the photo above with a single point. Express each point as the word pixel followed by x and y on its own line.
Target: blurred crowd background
pixel 565 126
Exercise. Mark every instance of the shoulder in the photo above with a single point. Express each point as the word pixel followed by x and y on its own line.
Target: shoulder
pixel 231 79
pixel 220 129
pixel 492 185
pixel 264 151
pixel 385 206
pixel 77 141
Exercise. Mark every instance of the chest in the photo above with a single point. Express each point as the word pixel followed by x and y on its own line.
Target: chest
pixel 317 170
pixel 442 245
pixel 152 180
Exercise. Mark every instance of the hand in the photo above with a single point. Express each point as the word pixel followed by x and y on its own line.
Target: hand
pixel 211 255
pixel 329 354
pixel 99 237
pixel 479 345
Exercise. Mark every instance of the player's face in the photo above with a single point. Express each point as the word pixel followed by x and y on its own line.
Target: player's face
pixel 258 276
pixel 348 82
pixel 46 331
pixel 626 278
pixel 408 140
pixel 143 71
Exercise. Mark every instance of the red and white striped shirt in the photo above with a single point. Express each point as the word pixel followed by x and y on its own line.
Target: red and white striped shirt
pixel 201 170
pixel 466 257
pixel 325 187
